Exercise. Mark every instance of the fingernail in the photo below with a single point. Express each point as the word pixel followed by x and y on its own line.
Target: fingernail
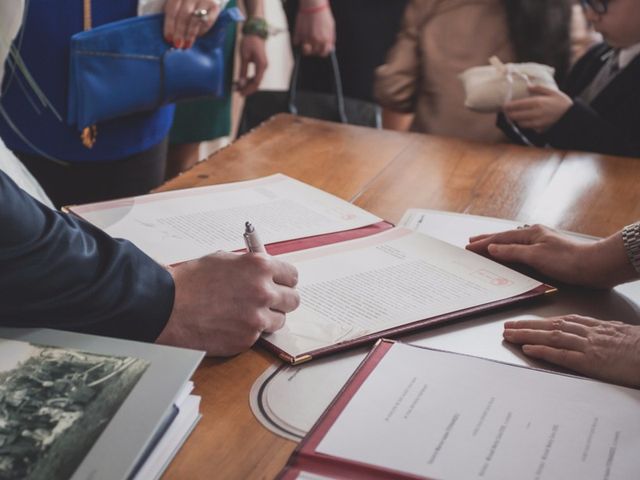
pixel 178 43
pixel 188 44
pixel 169 39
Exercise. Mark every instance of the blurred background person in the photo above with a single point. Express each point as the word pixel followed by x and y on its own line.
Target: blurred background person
pixel 439 39
pixel 360 31
pixel 10 19
pixel 204 120
pixel 129 156
pixel 597 108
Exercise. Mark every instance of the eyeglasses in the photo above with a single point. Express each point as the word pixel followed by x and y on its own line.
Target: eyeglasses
pixel 598 6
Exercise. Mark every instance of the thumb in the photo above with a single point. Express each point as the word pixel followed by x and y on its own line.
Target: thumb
pixel 511 253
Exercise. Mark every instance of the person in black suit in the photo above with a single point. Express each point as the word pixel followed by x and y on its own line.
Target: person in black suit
pixel 599 107
pixel 58 271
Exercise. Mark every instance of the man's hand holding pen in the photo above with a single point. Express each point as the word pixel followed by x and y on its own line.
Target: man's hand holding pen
pixel 256 291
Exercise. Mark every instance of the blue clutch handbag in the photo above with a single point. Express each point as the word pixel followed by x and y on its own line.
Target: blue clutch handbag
pixel 126 67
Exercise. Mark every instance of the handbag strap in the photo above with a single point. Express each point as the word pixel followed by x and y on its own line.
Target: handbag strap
pixel 337 84
pixel 89 134
pixel 86 15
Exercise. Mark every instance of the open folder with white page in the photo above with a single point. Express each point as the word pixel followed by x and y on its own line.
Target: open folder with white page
pixel 389 283
pixel 180 225
pixel 470 418
pixel 360 278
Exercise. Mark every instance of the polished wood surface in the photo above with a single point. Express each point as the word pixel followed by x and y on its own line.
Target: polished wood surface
pixel 385 173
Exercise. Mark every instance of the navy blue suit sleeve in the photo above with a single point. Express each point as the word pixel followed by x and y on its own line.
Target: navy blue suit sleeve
pixel 60 272
pixel 582 128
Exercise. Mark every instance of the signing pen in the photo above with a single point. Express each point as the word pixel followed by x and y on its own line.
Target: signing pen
pixel 252 240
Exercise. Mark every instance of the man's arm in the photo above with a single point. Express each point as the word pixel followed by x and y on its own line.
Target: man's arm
pixel 60 272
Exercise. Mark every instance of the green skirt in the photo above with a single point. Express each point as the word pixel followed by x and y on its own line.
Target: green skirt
pixel 202 120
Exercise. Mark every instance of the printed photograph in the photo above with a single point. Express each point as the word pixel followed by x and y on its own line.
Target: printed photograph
pixel 54 403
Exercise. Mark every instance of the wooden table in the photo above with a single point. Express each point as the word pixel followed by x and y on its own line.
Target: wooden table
pixel 386 173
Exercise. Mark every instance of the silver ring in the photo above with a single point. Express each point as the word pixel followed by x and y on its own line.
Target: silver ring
pixel 522 227
pixel 201 13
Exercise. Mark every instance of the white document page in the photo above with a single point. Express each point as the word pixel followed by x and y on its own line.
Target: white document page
pixel 181 225
pixel 446 415
pixel 454 228
pixel 396 277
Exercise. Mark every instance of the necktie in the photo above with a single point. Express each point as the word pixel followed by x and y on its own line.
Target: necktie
pixel 607 72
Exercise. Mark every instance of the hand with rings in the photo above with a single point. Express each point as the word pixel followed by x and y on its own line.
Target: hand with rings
pixel 185 20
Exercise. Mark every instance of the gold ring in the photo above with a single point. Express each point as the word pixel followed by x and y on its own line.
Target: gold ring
pixel 201 13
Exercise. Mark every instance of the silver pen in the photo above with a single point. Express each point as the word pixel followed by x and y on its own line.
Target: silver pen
pixel 252 240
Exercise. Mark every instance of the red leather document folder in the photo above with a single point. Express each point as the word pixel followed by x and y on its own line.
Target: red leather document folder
pixel 393 332
pixel 306 459
pixel 404 329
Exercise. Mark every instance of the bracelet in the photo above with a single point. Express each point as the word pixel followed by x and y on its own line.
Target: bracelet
pixel 256 26
pixel 312 10
pixel 631 239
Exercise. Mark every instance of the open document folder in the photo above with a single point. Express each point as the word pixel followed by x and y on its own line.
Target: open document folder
pixel 412 412
pixel 389 283
pixel 360 278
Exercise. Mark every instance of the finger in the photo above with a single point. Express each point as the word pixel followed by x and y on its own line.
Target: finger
pixel 524 115
pixel 541 90
pixel 586 321
pixel 284 273
pixel 182 20
pixel 260 66
pixel 550 338
pixel 274 320
pixel 513 253
pixel 519 236
pixel 565 358
pixel 519 105
pixel 482 236
pixel 171 10
pixel 286 299
pixel 307 49
pixel 554 323
pixel 244 70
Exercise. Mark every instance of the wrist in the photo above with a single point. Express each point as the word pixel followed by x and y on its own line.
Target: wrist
pixel 313 7
pixel 256 26
pixel 609 262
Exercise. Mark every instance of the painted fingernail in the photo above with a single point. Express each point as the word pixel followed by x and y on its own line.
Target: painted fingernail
pixel 169 39
pixel 178 43
pixel 188 44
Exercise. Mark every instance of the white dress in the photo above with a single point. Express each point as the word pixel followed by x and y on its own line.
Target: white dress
pixel 11 12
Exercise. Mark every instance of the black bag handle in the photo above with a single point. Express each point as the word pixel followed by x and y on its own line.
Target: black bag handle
pixel 337 83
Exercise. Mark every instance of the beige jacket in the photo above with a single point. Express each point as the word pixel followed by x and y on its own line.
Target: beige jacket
pixel 422 68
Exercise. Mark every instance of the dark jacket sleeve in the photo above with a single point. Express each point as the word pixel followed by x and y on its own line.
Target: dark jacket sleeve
pixel 60 272
pixel 582 128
